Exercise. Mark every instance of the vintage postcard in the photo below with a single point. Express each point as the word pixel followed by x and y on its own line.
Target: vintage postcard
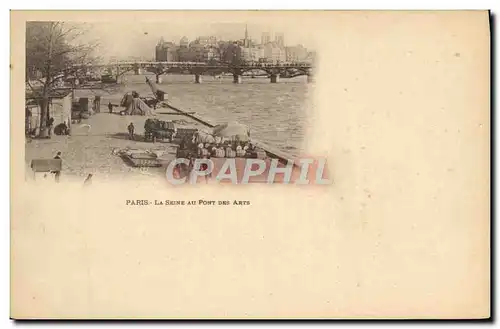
pixel 250 164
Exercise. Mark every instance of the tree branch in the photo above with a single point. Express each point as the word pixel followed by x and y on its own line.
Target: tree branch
pixel 33 88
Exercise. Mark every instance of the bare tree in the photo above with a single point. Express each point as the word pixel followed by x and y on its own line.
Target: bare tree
pixel 223 50
pixel 53 52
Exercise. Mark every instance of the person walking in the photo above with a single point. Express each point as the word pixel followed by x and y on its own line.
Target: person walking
pixel 131 129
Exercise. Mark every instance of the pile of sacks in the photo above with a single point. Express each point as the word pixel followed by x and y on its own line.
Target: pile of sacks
pixel 203 144
pixel 227 149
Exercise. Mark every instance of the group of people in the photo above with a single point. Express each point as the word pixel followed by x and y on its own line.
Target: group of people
pixel 32 122
pixel 97 105
pixel 224 149
pixel 227 149
pixel 206 147
pixel 60 129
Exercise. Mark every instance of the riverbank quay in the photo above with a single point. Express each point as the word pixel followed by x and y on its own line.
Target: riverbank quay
pixel 271 151
pixel 90 147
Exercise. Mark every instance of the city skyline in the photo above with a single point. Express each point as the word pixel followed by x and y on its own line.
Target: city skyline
pixel 138 39
pixel 209 49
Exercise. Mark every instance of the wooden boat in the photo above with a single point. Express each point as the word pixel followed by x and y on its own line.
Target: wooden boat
pixel 141 159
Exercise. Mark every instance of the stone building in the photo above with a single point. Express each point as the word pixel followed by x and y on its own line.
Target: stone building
pixel 274 53
pixel 166 52
pixel 296 53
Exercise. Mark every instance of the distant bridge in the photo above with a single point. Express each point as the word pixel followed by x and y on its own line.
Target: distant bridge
pixel 274 70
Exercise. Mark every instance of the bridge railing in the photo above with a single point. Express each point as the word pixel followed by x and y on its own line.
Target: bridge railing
pixel 200 64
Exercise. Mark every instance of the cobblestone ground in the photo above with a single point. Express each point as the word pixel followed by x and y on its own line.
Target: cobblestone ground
pixel 90 147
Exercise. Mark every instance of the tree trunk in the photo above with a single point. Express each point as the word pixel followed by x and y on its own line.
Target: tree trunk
pixel 44 106
pixel 44 111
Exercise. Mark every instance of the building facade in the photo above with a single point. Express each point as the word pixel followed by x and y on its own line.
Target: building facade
pixel 266 38
pixel 166 52
pixel 210 54
pixel 279 38
pixel 273 53
pixel 296 53
pixel 311 57
pixel 205 41
pixel 60 102
pixel 184 42
pixel 185 54
pixel 209 49
pixel 253 54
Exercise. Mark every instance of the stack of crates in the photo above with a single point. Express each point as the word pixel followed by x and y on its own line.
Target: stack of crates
pixel 183 132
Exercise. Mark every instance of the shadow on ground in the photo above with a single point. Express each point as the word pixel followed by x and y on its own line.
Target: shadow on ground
pixel 125 136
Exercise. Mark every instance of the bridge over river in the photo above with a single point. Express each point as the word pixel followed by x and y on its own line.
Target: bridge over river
pixel 198 69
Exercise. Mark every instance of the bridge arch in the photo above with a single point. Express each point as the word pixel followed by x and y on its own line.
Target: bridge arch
pixel 298 71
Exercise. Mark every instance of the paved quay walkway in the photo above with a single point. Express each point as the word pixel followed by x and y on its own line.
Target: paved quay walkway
pixel 89 149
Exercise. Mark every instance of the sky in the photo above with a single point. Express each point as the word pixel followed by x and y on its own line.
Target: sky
pixel 139 38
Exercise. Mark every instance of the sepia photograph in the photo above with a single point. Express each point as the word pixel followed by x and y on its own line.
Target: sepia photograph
pixel 250 164
pixel 111 99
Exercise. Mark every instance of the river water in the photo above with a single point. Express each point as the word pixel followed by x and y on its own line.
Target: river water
pixel 275 112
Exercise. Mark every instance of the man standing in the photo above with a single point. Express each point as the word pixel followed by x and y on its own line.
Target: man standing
pixel 50 124
pixel 57 173
pixel 110 107
pixel 131 131
pixel 97 102
pixel 28 121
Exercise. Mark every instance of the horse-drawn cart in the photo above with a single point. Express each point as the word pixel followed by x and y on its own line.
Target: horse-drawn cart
pixel 155 129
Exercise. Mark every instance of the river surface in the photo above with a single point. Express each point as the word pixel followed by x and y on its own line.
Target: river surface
pixel 275 112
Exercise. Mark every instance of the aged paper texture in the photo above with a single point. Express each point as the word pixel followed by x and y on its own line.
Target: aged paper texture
pixel 397 102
